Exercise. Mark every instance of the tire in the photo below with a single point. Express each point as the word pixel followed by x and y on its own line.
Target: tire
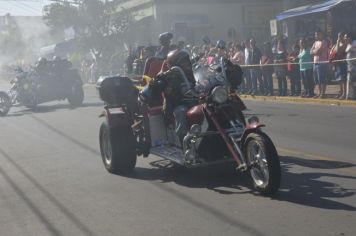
pixel 118 149
pixel 5 104
pixel 76 95
pixel 266 172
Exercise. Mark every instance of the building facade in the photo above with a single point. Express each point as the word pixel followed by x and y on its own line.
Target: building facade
pixel 190 20
pixel 303 18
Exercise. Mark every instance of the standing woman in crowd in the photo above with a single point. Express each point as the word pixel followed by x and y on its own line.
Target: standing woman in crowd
pixel 351 66
pixel 338 52
pixel 294 71
pixel 267 69
pixel 306 68
pixel 281 70
pixel 320 52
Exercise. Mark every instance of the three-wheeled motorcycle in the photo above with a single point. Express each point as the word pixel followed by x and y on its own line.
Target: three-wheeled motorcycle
pixel 30 89
pixel 218 132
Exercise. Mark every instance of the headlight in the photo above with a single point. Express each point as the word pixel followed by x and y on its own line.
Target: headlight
pixel 219 94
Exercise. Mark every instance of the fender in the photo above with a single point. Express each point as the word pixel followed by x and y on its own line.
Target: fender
pixel 116 117
pixel 251 128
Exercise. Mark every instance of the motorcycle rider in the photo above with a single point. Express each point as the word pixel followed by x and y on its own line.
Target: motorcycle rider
pixel 57 65
pixel 42 68
pixel 165 41
pixel 174 86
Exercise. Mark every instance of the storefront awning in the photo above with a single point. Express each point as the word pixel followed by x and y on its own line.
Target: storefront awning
pixel 59 49
pixel 309 9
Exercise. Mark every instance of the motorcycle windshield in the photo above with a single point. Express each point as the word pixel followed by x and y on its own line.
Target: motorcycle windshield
pixel 207 78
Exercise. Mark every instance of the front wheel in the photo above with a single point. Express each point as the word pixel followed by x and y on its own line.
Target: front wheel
pixel 117 148
pixel 265 166
pixel 5 103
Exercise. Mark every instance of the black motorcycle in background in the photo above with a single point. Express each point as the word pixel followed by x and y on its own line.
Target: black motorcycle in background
pixel 30 88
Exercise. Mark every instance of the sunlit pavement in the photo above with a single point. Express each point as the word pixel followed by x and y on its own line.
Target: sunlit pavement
pixel 52 181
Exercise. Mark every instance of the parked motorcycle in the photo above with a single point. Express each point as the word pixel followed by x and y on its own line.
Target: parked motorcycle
pixel 30 89
pixel 219 132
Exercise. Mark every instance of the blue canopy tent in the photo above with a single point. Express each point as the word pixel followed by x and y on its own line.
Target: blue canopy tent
pixel 309 9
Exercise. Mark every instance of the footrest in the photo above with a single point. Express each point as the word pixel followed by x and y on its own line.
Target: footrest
pixel 169 152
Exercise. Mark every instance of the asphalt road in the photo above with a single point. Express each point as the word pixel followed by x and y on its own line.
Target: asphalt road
pixel 52 180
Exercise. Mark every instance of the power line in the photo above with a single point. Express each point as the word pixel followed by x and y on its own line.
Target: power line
pixel 22 5
pixel 37 10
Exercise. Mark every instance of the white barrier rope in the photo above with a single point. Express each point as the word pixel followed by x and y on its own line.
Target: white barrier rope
pixel 297 63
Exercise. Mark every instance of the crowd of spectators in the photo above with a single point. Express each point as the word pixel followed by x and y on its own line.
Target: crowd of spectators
pixel 308 67
pixel 305 69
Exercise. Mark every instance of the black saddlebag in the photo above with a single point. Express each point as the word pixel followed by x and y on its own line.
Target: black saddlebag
pixel 116 90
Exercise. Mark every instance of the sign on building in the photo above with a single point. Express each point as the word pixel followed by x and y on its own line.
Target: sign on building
pixel 273 26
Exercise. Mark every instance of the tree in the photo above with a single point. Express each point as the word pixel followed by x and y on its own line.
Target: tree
pixel 98 29
pixel 60 16
pixel 12 45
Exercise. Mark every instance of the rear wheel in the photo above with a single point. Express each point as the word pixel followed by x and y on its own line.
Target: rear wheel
pixel 265 170
pixel 76 95
pixel 118 149
pixel 5 103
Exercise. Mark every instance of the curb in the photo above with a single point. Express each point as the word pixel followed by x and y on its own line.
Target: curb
pixel 327 101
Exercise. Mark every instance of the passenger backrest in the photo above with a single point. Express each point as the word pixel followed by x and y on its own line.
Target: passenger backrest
pixel 153 66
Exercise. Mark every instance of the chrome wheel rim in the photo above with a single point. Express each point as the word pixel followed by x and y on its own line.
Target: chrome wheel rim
pixel 259 171
pixel 107 148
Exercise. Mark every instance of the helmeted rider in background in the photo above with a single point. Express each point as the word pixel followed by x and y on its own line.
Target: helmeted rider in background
pixel 217 52
pixel 42 68
pixel 175 86
pixel 165 41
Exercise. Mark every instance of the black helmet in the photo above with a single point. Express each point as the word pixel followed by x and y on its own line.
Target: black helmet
pixel 221 44
pixel 165 38
pixel 176 57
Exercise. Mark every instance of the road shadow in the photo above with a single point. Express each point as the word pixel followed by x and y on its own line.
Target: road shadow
pixel 307 189
pixel 54 229
pixel 50 108
pixel 311 188
pixel 317 164
pixel 222 179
